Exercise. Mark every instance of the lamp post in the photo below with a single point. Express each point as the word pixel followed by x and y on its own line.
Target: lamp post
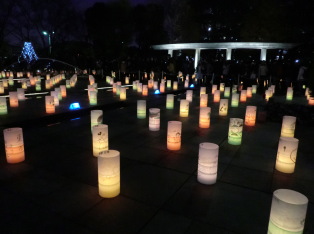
pixel 46 33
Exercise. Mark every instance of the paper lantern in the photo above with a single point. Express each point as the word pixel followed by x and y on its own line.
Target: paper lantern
pixel 235 131
pixel 93 98
pixel 288 126
pixel 58 90
pixel 14 145
pixel 174 135
pixel 5 83
pixel 175 85
pixel 100 138
pixel 118 88
pixel 155 85
pixel 139 87
pixel 189 95
pixel 162 87
pixel 234 88
pixel 141 109
pixel 289 95
pixel 54 94
pixel 227 92
pixel 20 94
pixel 287 154
pixel 268 94
pixel 150 84
pixel 154 119
pixel 38 86
pixel 235 100
pixel 96 118
pixel 217 96
pixel 50 105
pixel 214 88
pixel 207 163
pixel 14 102
pixel 134 85
pixel 243 96
pixel 223 107
pixel 144 90
pixel 3 106
pixel 122 93
pixel 250 116
pixel 204 119
pixel 204 100
pixel 288 212
pixel 1 88
pixel 254 89
pixel 222 87
pixel 249 92
pixel 47 84
pixel 311 101
pixel 63 91
pixel 109 173
pixel 168 84
pixel 127 80
pixel 11 81
pixel 202 90
pixel 169 101
pixel 184 108
pixel 186 83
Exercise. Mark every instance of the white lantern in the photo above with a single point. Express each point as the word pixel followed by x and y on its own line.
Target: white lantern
pixel 168 84
pixel 100 139
pixel 217 96
pixel 93 98
pixel 250 116
pixel 109 173
pixel 222 87
pixel 249 92
pixel 204 119
pixel 288 212
pixel 154 119
pixel 174 135
pixel 50 105
pixel 204 100
pixel 96 118
pixel 243 95
pixel 202 90
pixel 14 102
pixel 122 93
pixel 14 145
pixel 184 108
pixel 20 94
pixel 288 126
pixel 54 94
pixel 169 101
pixel 235 131
pixel 207 163
pixel 139 87
pixel 189 95
pixel 235 100
pixel 223 107
pixel 155 85
pixel 227 92
pixel 254 89
pixel 186 83
pixel 214 88
pixel 287 154
pixel 289 95
pixel 3 106
pixel 141 109
pixel 175 85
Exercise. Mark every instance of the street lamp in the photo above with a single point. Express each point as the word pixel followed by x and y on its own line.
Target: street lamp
pixel 49 39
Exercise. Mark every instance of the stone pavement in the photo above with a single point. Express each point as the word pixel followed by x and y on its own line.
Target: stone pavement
pixel 55 190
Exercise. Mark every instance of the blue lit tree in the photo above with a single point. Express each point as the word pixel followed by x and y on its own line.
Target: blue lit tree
pixel 28 52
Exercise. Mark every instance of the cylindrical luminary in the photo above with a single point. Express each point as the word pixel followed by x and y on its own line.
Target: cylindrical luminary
pixel 14 102
pixel 14 145
pixel 184 108
pixel 169 101
pixel 234 89
pixel 222 87
pixel 288 212
pixel 204 119
pixel 204 100
pixel 254 89
pixel 109 173
pixel 235 131
pixel 250 116
pixel 155 85
pixel 214 88
pixel 202 90
pixel 141 109
pixel 154 119
pixel 54 94
pixel 150 84
pixel 162 87
pixel 311 101
pixel 63 91
pixel 243 96
pixel 100 139
pixel 3 106
pixel 144 90
pixel 96 118
pixel 217 96
pixel 134 85
pixel 127 80
pixel 38 85
pixel 227 92
pixel 268 94
pixel 175 85
pixel 20 93
pixel 223 107
pixel 289 95
pixel 50 104
pixel 122 93
pixel 207 163
pixel 93 98
pixel 288 126
pixel 174 135
pixel 139 87
pixel 189 95
pixel 249 92
pixel 287 154
pixel 186 83
pixel 168 84
pixel 235 100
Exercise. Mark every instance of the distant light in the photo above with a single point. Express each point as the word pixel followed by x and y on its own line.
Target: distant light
pixel 192 86
pixel 209 29
pixel 75 106
pixel 45 33
pixel 297 60
pixel 157 92
pixel 75 119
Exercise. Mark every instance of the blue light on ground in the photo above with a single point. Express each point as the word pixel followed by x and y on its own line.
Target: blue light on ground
pixel 75 106
pixel 157 92
pixel 192 86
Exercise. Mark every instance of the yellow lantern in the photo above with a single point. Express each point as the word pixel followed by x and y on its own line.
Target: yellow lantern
pixel 38 86
pixel 127 80
pixel 3 106
pixel 287 154
pixel 184 108
pixel 175 85
pixel 227 92
pixel 202 90
pixel 154 119
pixel 141 109
pixel 249 92
pixel 223 107
pixel 288 126
pixel 204 100
pixel 217 96
pixel 214 88
pixel 109 173
pixel 174 135
pixel 189 95
pixel 122 93
pixel 50 105
pixel 96 118
pixel 14 145
pixel 254 89
pixel 235 131
pixel 139 87
pixel 235 100
pixel 134 85
pixel 243 95
pixel 144 90
pixel 162 87
pixel 289 95
pixel 93 98
pixel 63 91
pixel 204 119
pixel 169 101
pixel 168 84
pixel 100 139
pixel 14 102
pixel 250 116
pixel 222 87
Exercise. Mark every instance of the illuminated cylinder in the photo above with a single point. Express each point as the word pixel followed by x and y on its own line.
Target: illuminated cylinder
pixel 139 87
pixel 243 96
pixel 11 81
pixel 3 106
pixel 58 90
pixel 203 100
pixel 118 89
pixel 289 95
pixel 184 108
pixel 214 88
pixel 141 109
pixel 1 88
pixel 54 94
pixel 288 212
pixel 169 101
pixel 202 90
pixel 189 95
pixel 174 135
pixel 96 117
pixel 268 94
pixel 234 88
pixel 207 163
pixel 204 119
pixel 114 87
pixel 5 83
pixel 150 84
pixel 20 94
pixel 162 87
pixel 235 131
pixel 38 86
pixel 154 119
pixel 155 85
pixel 14 102
pixel 100 138
pixel 227 92
pixel 47 84
pixel 287 154
pixel 249 92
pixel 288 126
pixel 63 91
pixel 168 84
pixel 122 93
pixel 250 116
pixel 186 83
pixel 14 145
pixel 93 98
pixel 223 107
pixel 109 173
pixel 222 87
pixel 134 85
pixel 50 105
pixel 145 90
pixel 254 88
pixel 175 85
pixel 217 96
pixel 311 101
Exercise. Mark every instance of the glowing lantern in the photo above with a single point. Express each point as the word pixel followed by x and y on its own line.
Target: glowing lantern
pixel 96 117
pixel 145 90
pixel 189 95
pixel 268 94
pixel 249 92
pixel 204 119
pixel 235 131
pixel 122 93
pixel 287 154
pixel 288 126
pixel 311 101
pixel 243 96
pixel 5 83
pixel 227 92
pixel 203 100
pixel 14 102
pixel 202 90
pixel 150 84
pixel 222 87
pixel 109 173
pixel 63 91
pixel 20 94
pixel 168 84
pixel 217 96
pixel 288 212
pixel 3 106
pixel 134 85
pixel 93 98
pixel 58 90
pixel 14 145
pixel 54 94
pixel 47 84
pixel 250 116
pixel 141 109
pixel 254 88
pixel 169 101
pixel 223 107
pixel 100 138
pixel 162 87
pixel 214 88
pixel 139 87
pixel 50 105
pixel 207 163
pixel 11 81
pixel 289 95
pixel 118 89
pixel 174 135
pixel 184 108
pixel 154 119
pixel 155 85
pixel 186 83
pixel 1 88
pixel 234 88
pixel 38 86
pixel 175 85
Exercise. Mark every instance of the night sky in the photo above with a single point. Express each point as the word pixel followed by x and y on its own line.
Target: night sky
pixel 83 4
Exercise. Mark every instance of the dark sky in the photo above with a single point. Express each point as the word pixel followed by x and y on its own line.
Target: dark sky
pixel 83 4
